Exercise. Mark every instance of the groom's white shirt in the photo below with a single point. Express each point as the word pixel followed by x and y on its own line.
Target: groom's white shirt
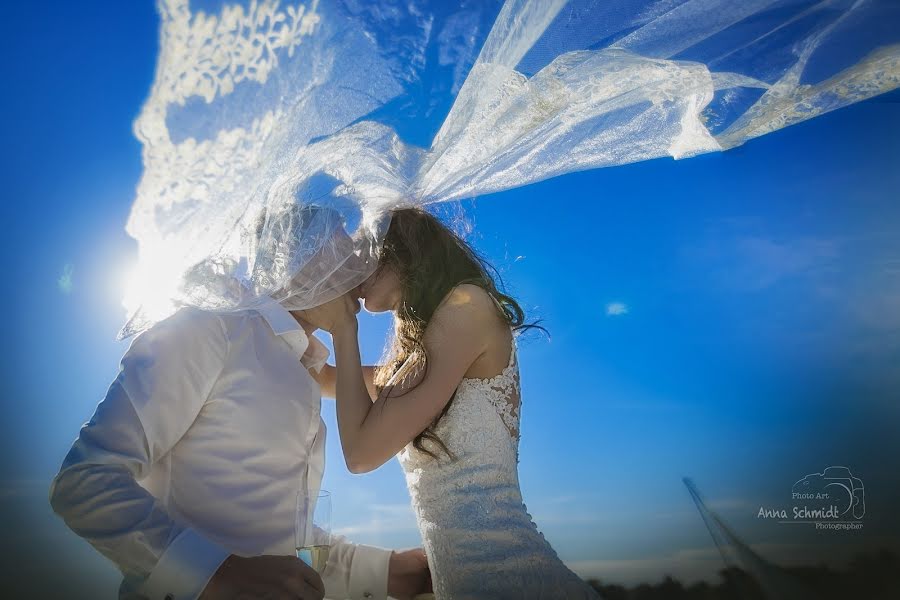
pixel 198 450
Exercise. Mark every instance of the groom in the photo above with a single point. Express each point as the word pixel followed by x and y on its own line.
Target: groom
pixel 187 474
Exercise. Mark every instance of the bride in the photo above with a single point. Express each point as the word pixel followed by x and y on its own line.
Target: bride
pixel 447 404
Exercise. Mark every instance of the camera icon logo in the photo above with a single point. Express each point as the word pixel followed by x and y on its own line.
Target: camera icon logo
pixel 834 486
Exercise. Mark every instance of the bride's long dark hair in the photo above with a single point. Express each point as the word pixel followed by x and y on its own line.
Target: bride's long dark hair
pixel 430 260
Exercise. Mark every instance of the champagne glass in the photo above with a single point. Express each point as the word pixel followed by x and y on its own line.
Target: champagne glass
pixel 312 528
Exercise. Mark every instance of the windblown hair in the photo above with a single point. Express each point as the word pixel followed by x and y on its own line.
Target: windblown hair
pixel 430 260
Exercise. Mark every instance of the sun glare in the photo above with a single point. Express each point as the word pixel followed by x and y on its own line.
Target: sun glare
pixel 150 285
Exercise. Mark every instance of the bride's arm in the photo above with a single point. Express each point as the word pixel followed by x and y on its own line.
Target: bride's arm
pixel 372 433
pixel 327 378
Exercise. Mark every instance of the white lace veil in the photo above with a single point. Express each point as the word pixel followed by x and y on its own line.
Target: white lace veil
pixel 278 135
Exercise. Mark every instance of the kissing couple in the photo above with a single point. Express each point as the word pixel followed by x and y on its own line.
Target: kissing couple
pixel 187 474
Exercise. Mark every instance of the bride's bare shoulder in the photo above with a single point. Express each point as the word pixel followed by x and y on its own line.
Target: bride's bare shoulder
pixel 470 301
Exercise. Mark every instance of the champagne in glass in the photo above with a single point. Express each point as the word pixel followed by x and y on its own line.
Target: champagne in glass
pixel 315 556
pixel 312 528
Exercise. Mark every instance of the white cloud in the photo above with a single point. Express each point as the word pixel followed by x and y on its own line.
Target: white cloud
pixel 385 518
pixel 744 254
pixel 616 309
pixel 750 263
pixel 65 280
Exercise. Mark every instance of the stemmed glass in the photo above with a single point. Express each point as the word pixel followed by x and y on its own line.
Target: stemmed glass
pixel 312 528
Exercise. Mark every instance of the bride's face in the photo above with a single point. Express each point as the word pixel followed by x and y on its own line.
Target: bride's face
pixel 381 291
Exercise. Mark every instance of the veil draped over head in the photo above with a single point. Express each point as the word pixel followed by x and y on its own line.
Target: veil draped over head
pixel 279 135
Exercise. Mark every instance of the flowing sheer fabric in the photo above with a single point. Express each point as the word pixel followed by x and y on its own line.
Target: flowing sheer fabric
pixel 278 135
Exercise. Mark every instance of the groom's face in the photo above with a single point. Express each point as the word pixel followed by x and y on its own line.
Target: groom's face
pixel 382 290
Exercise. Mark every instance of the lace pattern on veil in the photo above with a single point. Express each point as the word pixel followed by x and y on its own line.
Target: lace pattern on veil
pixel 361 107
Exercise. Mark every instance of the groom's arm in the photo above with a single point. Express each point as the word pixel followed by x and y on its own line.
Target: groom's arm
pixel 164 379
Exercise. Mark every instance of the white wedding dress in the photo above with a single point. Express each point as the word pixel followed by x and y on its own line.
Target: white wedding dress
pixel 480 540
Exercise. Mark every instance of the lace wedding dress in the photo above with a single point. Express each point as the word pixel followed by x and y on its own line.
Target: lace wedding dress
pixel 480 540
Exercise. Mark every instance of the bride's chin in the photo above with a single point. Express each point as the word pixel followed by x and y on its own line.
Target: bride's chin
pixel 371 307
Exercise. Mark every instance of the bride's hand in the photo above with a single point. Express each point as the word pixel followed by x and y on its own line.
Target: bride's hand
pixel 333 315
pixel 408 574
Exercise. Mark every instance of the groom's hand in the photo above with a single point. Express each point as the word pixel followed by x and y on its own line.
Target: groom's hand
pixel 333 314
pixel 269 576
pixel 408 574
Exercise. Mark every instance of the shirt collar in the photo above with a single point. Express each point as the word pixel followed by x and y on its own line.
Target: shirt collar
pixel 311 351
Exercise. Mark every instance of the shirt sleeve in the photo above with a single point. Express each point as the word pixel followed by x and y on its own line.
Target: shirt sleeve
pixel 164 379
pixel 355 571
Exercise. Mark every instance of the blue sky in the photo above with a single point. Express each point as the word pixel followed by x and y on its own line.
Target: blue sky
pixel 734 317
